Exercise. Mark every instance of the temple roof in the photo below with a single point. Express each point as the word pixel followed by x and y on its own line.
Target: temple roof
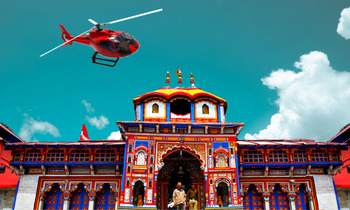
pixel 287 143
pixel 168 93
pixel 96 143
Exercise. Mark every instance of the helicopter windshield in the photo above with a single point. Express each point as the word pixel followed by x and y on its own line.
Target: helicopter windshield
pixel 122 43
pixel 107 45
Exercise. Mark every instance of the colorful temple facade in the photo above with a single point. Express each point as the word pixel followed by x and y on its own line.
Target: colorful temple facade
pixel 179 134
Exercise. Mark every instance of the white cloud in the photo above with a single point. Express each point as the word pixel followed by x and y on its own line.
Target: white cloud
pixel 31 126
pixel 313 103
pixel 115 136
pixel 99 123
pixel 344 23
pixel 87 106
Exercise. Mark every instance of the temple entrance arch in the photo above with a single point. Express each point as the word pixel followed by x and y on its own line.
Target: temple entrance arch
pixel 185 168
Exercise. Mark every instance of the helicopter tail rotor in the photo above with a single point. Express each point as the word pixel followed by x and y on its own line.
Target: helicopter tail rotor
pixel 65 35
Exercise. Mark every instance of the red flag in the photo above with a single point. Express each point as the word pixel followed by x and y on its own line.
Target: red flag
pixel 84 135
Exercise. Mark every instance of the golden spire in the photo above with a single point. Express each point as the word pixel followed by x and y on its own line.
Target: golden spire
pixel 167 77
pixel 178 73
pixel 192 81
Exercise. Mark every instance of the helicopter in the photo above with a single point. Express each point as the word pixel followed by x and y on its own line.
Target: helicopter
pixel 108 43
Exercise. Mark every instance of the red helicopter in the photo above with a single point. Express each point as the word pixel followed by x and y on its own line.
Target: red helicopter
pixel 108 43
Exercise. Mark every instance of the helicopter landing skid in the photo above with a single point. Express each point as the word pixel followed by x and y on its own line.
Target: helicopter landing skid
pixel 112 62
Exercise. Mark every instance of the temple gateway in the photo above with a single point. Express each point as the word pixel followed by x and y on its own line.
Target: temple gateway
pixel 177 135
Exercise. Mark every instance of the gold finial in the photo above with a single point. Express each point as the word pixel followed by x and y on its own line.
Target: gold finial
pixel 178 73
pixel 192 81
pixel 167 77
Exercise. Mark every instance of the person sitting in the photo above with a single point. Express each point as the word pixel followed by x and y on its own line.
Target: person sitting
pixel 192 197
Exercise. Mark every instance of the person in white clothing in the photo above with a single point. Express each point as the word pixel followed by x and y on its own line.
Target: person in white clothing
pixel 179 197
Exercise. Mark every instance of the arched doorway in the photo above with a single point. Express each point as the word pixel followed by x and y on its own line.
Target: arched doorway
pixel 222 191
pixel 139 190
pixel 184 168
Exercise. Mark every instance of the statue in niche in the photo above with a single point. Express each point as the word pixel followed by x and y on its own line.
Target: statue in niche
pixel 220 201
pixel 139 201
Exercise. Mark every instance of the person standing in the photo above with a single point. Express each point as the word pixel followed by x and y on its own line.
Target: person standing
pixel 192 198
pixel 179 197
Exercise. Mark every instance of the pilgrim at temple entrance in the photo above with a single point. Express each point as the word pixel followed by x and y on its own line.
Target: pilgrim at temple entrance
pixel 183 168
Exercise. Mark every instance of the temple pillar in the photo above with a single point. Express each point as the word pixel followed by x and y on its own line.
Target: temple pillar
pixel 266 199
pixel 116 201
pixel 310 201
pixel 41 202
pixel 67 196
pixel 291 199
pixel 92 197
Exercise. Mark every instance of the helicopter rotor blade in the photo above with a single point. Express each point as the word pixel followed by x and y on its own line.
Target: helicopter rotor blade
pixel 131 17
pixel 93 22
pixel 65 43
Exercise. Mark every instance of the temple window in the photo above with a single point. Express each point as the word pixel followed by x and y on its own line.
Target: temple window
pixel 221 160
pixel 121 155
pixel 17 156
pixel 180 106
pixel 130 148
pixel 105 155
pixel 278 156
pixel 151 169
pixel 300 156
pixel 155 108
pixel 335 156
pixel 205 109
pixel 150 184
pixel 141 158
pixel 319 155
pixel 79 155
pixel 210 152
pixel 33 155
pixel 129 159
pixel 152 149
pixel 253 156
pixel 55 155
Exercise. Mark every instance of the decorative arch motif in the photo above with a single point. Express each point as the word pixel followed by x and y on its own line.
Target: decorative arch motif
pixel 192 149
pixel 222 179
pixel 221 150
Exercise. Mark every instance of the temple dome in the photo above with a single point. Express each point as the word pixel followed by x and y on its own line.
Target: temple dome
pixel 180 105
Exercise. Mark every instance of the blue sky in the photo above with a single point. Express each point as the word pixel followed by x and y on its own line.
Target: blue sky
pixel 229 46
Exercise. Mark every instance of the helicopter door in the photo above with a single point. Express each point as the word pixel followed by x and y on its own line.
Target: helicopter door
pixel 108 45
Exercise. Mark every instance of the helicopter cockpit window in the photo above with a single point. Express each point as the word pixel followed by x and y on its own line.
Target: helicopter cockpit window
pixel 107 45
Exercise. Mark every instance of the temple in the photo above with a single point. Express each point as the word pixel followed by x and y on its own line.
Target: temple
pixel 177 135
